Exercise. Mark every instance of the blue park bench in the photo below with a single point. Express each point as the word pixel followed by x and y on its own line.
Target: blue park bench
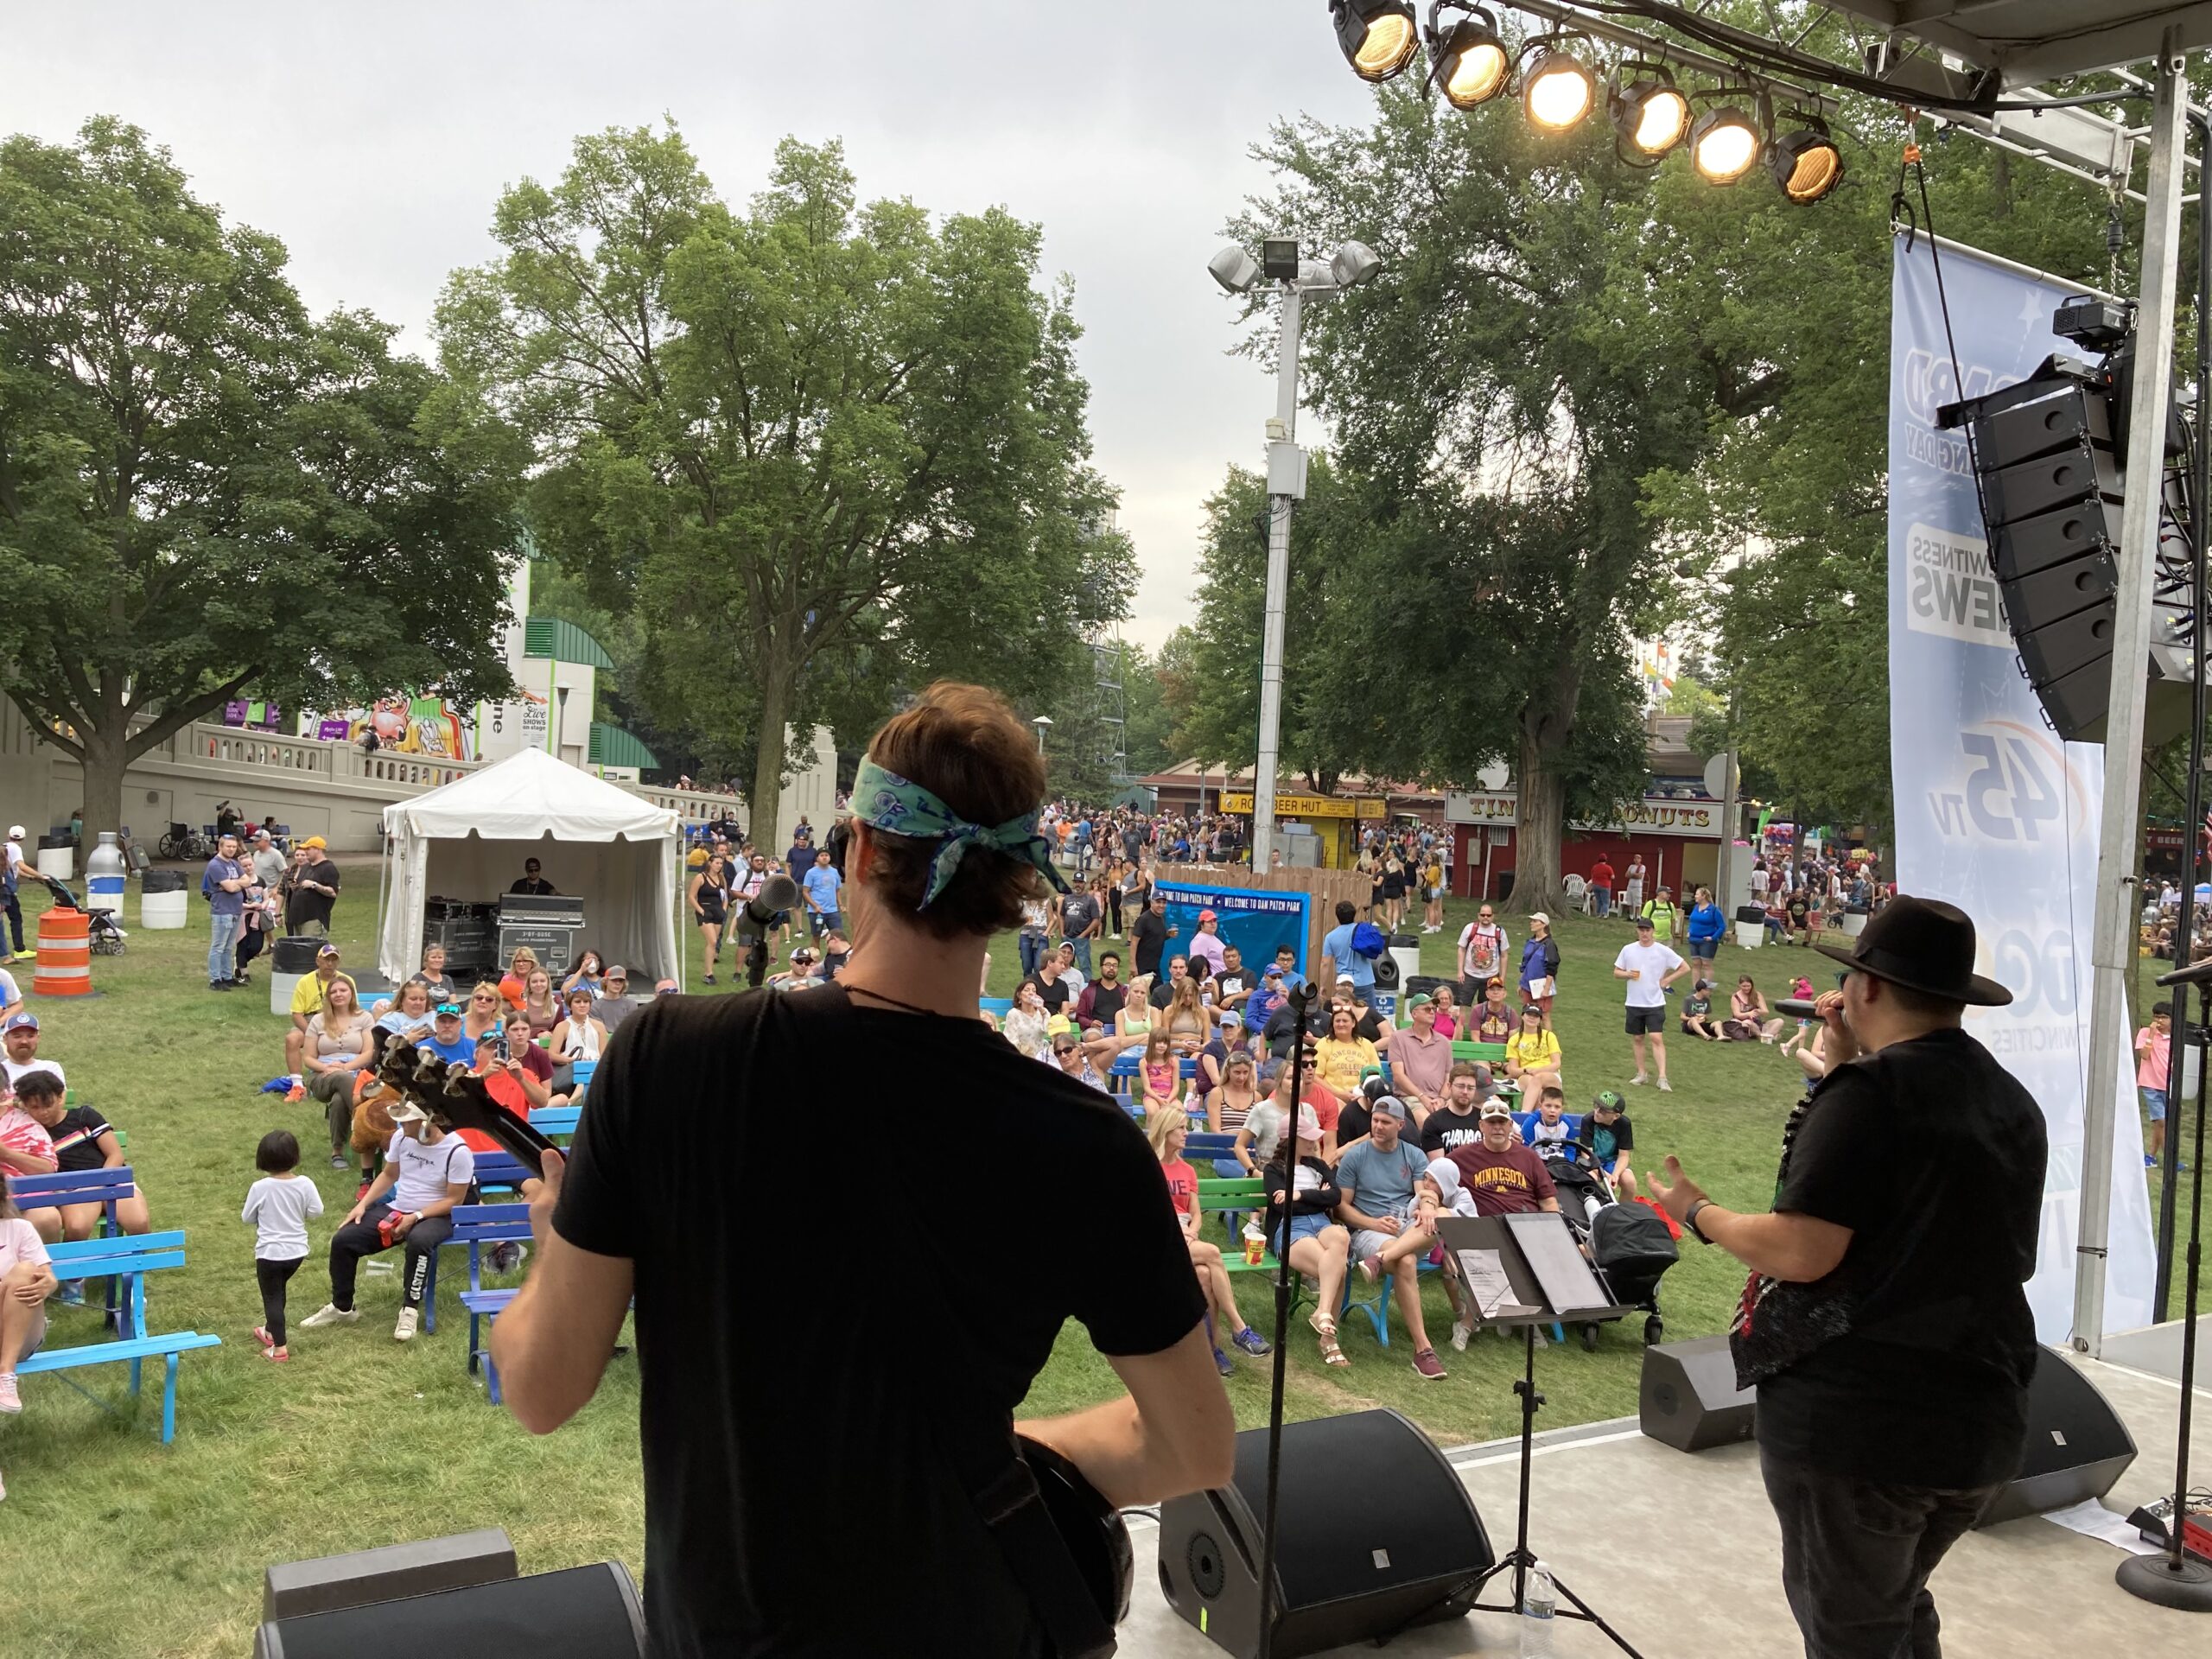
pixel 123 1261
pixel 68 1188
pixel 556 1123
pixel 476 1225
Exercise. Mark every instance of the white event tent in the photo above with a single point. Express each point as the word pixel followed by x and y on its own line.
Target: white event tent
pixel 467 840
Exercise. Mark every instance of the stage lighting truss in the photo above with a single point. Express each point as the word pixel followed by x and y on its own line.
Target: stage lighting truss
pixel 1468 62
pixel 1378 37
pixel 1650 114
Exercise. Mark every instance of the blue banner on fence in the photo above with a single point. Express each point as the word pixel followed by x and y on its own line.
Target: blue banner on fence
pixel 1993 812
pixel 1257 924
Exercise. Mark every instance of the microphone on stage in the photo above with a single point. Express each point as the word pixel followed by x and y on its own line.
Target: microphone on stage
pixel 2194 976
pixel 778 892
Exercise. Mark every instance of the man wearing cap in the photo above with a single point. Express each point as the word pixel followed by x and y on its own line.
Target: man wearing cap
pixel 1376 1178
pixel 1270 995
pixel 21 1039
pixel 267 863
pixel 447 1038
pixel 223 884
pixel 1607 1136
pixel 1205 944
pixel 307 1002
pixel 531 881
pixel 9 900
pixel 315 889
pixel 426 1172
pixel 1500 1171
pixel 1482 956
pixel 1148 936
pixel 1885 1326
pixel 1083 914
pixel 1421 1058
pixel 1649 968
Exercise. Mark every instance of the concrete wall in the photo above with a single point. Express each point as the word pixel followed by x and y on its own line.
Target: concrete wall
pixel 813 793
pixel 331 790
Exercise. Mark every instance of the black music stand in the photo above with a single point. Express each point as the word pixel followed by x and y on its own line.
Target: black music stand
pixel 1547 1280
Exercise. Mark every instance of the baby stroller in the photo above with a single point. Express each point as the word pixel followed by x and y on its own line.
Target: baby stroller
pixel 105 938
pixel 1630 1244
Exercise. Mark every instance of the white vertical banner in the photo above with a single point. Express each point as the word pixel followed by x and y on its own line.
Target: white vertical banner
pixel 1993 813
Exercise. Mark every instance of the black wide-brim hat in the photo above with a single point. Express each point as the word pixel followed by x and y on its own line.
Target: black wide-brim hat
pixel 1924 945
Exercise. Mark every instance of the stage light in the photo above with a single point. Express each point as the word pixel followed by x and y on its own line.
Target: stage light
pixel 1725 144
pixel 1279 258
pixel 1354 264
pixel 1557 92
pixel 1650 117
pixel 1806 164
pixel 1378 36
pixel 1468 62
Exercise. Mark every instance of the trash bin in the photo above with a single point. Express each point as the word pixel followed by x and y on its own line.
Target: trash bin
pixel 163 900
pixel 290 960
pixel 103 875
pixel 1854 920
pixel 1405 951
pixel 57 857
pixel 1751 926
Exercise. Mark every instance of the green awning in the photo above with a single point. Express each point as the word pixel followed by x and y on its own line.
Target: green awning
pixel 563 641
pixel 613 747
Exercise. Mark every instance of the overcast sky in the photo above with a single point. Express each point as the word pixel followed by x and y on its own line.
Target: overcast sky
pixel 374 138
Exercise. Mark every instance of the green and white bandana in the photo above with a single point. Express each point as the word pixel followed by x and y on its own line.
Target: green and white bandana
pixel 898 806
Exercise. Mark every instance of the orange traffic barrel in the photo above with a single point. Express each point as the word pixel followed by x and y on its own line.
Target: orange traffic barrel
pixel 65 954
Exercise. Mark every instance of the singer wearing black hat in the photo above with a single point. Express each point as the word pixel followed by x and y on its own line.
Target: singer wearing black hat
pixel 1885 1322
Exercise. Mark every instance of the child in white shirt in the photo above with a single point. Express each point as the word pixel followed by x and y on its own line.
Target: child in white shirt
pixel 280 1205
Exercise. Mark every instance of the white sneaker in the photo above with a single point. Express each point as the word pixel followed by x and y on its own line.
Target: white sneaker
pixel 1637 1079
pixel 404 1330
pixel 1460 1331
pixel 330 1314
pixel 1665 1087
pixel 10 1402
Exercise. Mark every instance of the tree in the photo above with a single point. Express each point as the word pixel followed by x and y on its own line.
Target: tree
pixel 1499 432
pixel 203 490
pixel 795 440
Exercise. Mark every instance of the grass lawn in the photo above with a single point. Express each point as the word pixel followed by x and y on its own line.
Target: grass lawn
pixel 359 1440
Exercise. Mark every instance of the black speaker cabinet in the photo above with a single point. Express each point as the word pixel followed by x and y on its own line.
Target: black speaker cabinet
pixel 1688 1398
pixel 582 1613
pixel 2077 1446
pixel 1357 1557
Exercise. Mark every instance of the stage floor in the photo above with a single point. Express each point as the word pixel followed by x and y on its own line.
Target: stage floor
pixel 1680 1554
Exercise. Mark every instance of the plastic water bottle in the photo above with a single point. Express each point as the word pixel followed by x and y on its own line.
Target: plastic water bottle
pixel 1538 1604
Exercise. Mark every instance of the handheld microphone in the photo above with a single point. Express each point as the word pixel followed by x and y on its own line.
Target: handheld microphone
pixel 1796 1007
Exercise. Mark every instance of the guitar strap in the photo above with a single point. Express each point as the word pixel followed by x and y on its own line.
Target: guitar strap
pixel 980 1445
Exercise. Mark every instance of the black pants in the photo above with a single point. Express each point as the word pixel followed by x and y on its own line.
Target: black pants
pixel 250 943
pixel 13 907
pixel 1856 1555
pixel 272 1277
pixel 351 1242
pixel 1114 908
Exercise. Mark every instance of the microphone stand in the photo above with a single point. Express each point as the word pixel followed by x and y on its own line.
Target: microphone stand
pixel 2176 1578
pixel 1301 1001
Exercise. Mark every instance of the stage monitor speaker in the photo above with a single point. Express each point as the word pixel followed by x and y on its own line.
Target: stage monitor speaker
pixel 583 1612
pixel 1688 1396
pixel 384 1573
pixel 1374 1533
pixel 2077 1446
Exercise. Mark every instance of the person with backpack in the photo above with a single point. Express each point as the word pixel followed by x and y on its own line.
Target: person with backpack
pixel 1351 947
pixel 1482 956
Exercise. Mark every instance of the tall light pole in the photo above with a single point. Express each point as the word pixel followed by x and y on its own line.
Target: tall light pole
pixel 1040 723
pixel 1299 280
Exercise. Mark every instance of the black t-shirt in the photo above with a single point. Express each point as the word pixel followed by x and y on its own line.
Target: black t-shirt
pixel 537 885
pixel 1147 940
pixel 1229 982
pixel 1447 1131
pixel 1163 992
pixel 1369 1025
pixel 1932 1154
pixel 1078 911
pixel 1606 1141
pixel 1055 994
pixel 1107 1000
pixel 1354 1118
pixel 309 906
pixel 1282 1025
pixel 759 1445
pixel 76 1139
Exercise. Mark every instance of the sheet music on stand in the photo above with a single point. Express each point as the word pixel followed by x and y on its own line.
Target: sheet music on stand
pixel 1522 1270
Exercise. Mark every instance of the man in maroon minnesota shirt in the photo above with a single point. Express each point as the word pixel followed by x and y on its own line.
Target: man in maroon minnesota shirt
pixel 1504 1175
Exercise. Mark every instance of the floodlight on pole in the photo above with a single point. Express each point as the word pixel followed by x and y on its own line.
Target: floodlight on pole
pixel 1040 723
pixel 1468 63
pixel 1378 36
pixel 1235 269
pixel 1297 280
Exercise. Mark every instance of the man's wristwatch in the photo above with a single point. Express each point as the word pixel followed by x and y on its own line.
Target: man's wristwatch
pixel 1690 1219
